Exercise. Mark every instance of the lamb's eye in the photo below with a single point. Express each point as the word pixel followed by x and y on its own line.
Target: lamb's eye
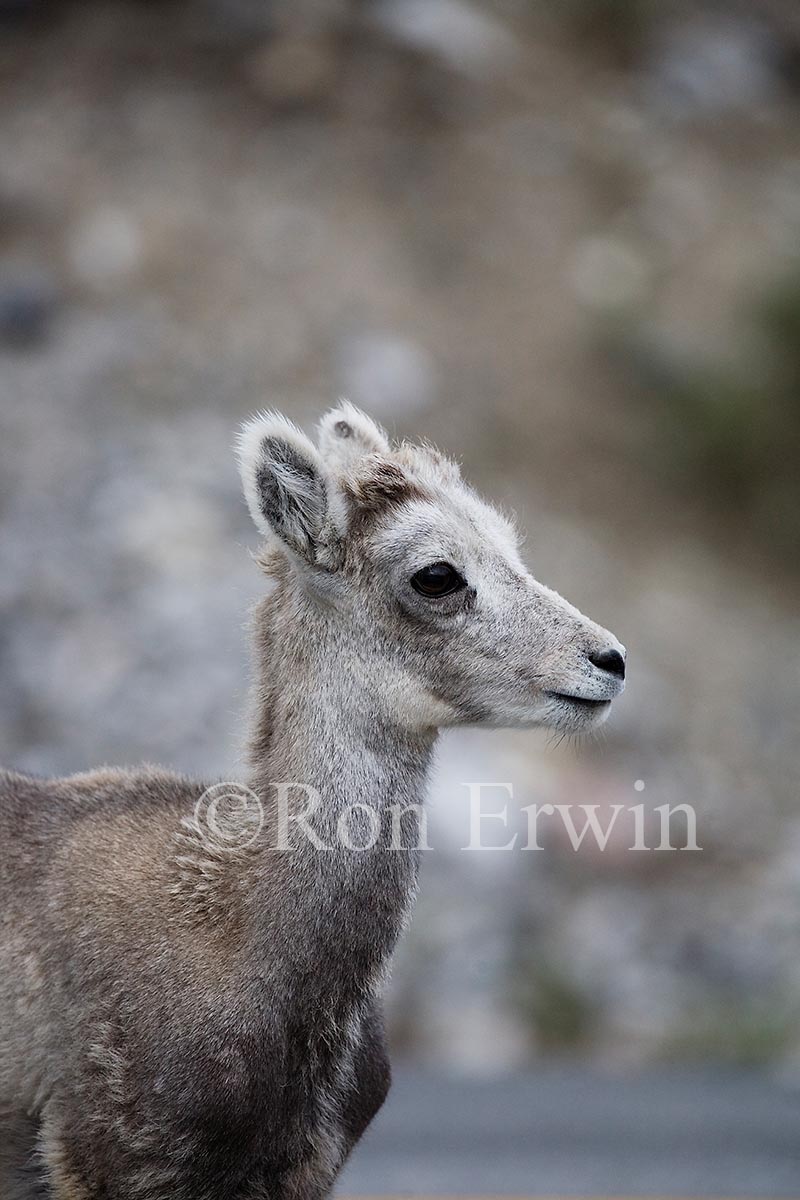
pixel 439 579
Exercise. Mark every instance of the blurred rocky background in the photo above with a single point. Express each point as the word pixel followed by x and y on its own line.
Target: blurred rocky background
pixel 563 240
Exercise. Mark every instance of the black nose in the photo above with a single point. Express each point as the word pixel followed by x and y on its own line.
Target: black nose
pixel 609 660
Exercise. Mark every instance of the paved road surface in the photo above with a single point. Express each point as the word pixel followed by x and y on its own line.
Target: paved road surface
pixel 569 1132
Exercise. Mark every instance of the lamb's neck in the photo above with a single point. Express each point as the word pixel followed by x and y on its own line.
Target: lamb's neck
pixel 330 757
pixel 320 730
pixel 323 717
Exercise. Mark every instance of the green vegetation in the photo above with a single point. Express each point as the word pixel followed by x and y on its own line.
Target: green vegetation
pixel 557 1010
pixel 745 1036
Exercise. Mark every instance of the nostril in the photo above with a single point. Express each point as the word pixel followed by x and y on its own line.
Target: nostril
pixel 609 660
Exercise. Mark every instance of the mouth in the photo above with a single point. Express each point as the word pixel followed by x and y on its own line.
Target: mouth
pixel 581 703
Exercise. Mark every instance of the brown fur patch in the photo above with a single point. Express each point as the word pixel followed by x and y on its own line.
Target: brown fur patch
pixel 383 484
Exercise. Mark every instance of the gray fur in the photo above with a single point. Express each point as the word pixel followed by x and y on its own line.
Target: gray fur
pixel 181 1020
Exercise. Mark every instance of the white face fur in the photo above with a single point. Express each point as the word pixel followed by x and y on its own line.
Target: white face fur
pixel 425 578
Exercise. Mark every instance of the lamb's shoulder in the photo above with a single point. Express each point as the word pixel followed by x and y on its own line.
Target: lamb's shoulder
pixel 157 853
pixel 128 860
pixel 93 928
pixel 63 823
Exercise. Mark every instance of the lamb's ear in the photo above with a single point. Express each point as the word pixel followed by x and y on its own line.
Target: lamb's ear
pixel 289 490
pixel 346 434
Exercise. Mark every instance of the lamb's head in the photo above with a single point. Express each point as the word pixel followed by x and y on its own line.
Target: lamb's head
pixel 420 581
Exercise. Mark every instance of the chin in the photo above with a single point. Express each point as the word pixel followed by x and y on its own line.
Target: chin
pixel 557 712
